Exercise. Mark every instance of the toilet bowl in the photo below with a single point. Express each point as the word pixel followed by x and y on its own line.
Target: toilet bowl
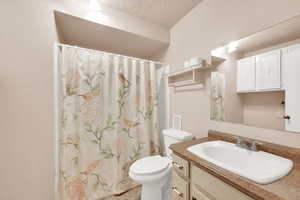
pixel 154 172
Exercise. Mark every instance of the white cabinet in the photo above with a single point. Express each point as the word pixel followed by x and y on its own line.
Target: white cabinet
pixel 268 71
pixel 284 64
pixel 246 75
pixel 260 73
pixel 292 87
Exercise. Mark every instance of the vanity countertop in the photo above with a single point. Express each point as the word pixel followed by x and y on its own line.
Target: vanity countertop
pixel 286 188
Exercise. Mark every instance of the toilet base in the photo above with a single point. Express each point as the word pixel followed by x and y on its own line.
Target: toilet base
pixel 158 190
pixel 151 191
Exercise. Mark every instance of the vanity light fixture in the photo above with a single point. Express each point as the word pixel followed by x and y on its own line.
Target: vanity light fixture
pixel 223 50
pixel 94 5
pixel 219 52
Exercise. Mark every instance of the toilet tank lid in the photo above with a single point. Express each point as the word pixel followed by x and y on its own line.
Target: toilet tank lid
pixel 177 134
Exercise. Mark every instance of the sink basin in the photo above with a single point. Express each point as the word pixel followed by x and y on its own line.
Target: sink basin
pixel 260 167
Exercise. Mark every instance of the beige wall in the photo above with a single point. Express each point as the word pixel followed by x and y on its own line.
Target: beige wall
pixel 27 35
pixel 211 24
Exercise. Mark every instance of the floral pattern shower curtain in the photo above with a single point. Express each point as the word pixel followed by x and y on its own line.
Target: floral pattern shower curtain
pixel 108 120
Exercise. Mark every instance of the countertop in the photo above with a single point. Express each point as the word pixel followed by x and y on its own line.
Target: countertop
pixel 286 188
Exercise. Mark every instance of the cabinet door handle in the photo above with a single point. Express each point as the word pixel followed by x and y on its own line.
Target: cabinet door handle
pixel 177 165
pixel 180 194
pixel 286 117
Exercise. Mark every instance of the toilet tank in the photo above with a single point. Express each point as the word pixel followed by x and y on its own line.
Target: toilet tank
pixel 172 136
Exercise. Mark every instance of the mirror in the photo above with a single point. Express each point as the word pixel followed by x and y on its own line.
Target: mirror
pixel 258 84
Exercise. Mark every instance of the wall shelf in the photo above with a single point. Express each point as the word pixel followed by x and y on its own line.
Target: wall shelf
pixel 184 77
pixel 193 74
pixel 182 71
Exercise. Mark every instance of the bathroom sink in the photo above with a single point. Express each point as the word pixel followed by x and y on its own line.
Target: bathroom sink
pixel 258 166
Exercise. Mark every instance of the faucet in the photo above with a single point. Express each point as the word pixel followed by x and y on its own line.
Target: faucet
pixel 242 144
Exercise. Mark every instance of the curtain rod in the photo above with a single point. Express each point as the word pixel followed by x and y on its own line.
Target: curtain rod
pixel 66 45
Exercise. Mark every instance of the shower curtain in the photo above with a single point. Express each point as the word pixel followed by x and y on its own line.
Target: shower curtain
pixel 108 120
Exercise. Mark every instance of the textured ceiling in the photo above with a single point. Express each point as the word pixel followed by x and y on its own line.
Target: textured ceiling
pixel 163 12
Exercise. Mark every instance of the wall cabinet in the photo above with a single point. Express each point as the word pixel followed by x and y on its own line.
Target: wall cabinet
pixel 246 75
pixel 275 70
pixel 196 184
pixel 268 71
pixel 260 73
pixel 284 64
pixel 292 88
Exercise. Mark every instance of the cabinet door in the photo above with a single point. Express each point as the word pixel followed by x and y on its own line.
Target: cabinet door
pixel 268 71
pixel 292 96
pixel 284 64
pixel 180 188
pixel 214 188
pixel 197 195
pixel 246 75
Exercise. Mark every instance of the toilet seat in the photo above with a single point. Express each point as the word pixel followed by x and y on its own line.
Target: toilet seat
pixel 150 165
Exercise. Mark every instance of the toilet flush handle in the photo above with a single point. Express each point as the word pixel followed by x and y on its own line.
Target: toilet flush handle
pixel 177 165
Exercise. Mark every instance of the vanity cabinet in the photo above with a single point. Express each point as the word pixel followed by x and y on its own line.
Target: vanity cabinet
pixel 213 188
pixel 200 185
pixel 246 75
pixel 268 71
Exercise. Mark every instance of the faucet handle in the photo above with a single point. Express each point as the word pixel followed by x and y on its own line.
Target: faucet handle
pixel 253 146
pixel 238 140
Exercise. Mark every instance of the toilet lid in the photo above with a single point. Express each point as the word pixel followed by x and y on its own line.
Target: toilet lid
pixel 150 165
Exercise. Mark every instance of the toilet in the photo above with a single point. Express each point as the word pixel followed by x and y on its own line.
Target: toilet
pixel 154 172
